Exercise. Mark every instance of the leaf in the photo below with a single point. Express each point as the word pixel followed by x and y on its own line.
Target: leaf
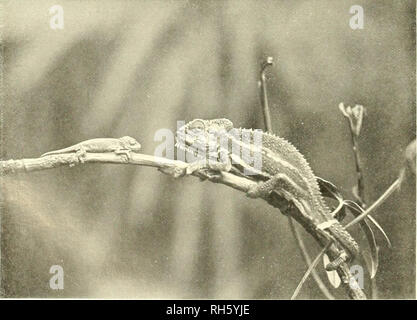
pixel 329 190
pixel 333 277
pixel 354 206
pixel 356 211
pixel 410 155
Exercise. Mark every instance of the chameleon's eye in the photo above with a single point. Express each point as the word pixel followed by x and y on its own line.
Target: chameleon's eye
pixel 197 125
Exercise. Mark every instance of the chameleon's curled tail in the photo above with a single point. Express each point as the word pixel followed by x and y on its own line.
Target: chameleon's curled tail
pixel 346 241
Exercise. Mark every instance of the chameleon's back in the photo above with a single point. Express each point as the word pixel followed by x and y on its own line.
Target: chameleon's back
pixel 299 184
pixel 280 156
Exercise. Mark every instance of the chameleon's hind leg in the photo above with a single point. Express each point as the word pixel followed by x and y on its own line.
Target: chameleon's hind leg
pixel 282 181
pixel 263 189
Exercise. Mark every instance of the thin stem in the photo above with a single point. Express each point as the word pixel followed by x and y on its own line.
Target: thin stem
pixel 377 203
pixel 354 133
pixel 396 185
pixel 307 260
pixel 310 269
pixel 268 127
pixel 359 171
pixel 355 123
pixel 264 95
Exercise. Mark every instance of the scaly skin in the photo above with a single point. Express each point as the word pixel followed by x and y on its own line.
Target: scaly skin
pixel 284 170
pixel 101 145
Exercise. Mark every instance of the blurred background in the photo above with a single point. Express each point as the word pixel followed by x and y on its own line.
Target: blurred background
pixel 133 67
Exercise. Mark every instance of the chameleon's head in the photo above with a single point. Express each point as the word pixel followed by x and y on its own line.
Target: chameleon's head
pixel 199 132
pixel 131 143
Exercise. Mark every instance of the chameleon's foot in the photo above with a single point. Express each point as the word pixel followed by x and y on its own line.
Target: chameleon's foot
pixel 125 154
pixel 211 165
pixel 81 154
pixel 173 171
pixel 212 175
pixel 343 257
pixel 256 191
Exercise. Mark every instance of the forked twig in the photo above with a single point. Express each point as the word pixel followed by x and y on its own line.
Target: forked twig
pixel 355 120
pixel 355 117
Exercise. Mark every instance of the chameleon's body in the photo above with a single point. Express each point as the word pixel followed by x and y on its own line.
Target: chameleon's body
pixel 284 170
pixel 121 145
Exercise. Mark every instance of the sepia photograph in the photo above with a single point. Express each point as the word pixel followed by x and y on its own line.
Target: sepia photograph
pixel 208 150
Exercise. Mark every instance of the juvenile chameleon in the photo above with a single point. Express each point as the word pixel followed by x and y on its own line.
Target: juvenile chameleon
pixel 283 170
pixel 123 145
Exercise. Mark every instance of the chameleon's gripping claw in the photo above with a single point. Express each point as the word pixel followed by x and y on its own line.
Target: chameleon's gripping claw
pixel 125 153
pixel 343 257
pixel 80 154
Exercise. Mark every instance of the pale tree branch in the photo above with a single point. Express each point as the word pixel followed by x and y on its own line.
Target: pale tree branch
pixel 178 168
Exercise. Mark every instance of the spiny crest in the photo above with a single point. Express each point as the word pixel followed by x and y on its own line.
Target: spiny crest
pixel 287 150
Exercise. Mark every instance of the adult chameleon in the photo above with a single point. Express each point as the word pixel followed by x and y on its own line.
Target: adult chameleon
pixel 283 170
pixel 123 145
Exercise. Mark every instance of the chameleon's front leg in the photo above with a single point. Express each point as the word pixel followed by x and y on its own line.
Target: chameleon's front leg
pixel 80 153
pixel 213 169
pixel 123 152
pixel 211 164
